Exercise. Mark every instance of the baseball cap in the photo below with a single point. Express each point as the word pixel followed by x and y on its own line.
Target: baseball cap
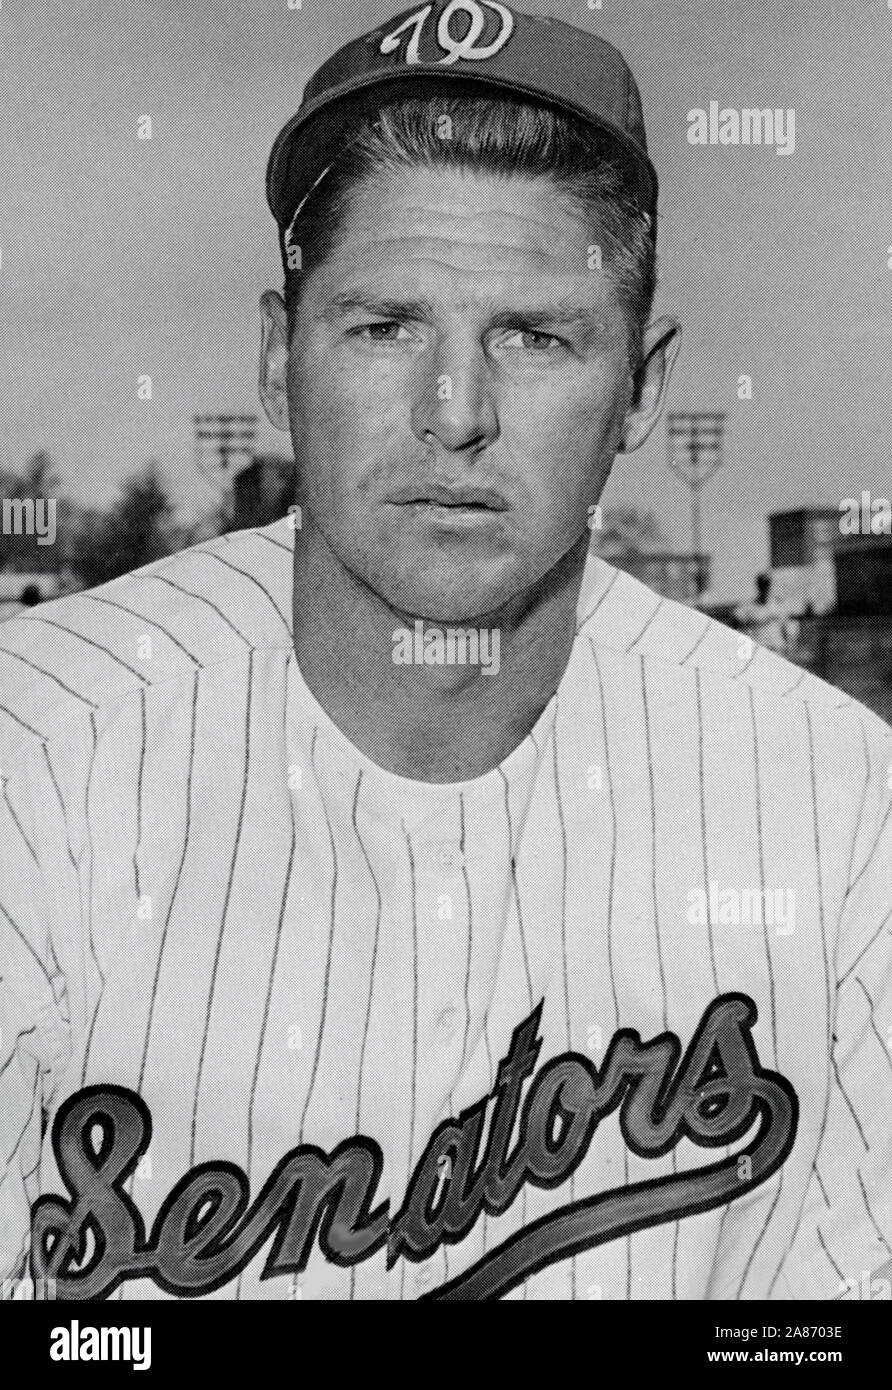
pixel 476 47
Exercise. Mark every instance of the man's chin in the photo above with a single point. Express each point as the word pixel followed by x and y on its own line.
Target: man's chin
pixel 417 586
pixel 453 612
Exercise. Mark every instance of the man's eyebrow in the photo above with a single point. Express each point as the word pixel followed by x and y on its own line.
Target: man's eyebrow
pixel 563 314
pixel 554 316
pixel 351 302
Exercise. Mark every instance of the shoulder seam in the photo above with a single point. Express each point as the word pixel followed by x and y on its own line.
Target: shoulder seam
pixel 848 705
pixel 49 740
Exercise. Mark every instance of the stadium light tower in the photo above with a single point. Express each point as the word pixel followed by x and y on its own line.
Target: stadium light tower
pixel 221 443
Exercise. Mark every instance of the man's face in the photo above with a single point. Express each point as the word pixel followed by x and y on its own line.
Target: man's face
pixel 457 385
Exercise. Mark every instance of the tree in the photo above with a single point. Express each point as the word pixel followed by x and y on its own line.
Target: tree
pixel 138 529
pixel 39 479
pixel 34 517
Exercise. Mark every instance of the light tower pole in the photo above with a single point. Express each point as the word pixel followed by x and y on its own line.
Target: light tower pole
pixel 695 440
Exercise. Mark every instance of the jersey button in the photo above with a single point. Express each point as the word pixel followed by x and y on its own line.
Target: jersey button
pixel 446 1023
pixel 425 1277
pixel 450 857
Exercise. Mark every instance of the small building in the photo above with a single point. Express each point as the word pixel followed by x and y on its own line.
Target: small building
pixel 263 492
pixel 801 546
pixel 864 576
pixel 799 538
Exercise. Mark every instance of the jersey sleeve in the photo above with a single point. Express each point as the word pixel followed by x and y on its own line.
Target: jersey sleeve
pixel 844 1236
pixel 33 1027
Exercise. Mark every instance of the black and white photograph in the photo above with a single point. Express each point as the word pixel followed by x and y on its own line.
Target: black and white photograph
pixel 446 661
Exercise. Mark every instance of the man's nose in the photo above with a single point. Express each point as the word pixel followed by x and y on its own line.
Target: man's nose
pixel 455 401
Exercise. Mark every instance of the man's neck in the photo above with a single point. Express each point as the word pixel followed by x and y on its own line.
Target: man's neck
pixel 429 722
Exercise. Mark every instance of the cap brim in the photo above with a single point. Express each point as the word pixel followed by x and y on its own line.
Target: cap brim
pixel 322 125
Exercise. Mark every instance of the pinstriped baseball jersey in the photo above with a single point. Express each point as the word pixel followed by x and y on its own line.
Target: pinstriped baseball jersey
pixel 611 1021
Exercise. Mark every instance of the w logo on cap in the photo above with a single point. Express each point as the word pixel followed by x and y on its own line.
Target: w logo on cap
pixel 468 46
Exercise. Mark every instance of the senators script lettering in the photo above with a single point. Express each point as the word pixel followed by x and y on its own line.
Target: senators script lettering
pixel 208 1229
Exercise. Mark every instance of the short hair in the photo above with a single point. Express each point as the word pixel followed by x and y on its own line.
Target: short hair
pixel 503 138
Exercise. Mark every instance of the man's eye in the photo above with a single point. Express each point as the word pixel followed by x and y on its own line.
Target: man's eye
pixel 391 332
pixel 529 340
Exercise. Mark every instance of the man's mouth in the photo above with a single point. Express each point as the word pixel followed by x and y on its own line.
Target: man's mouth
pixel 442 497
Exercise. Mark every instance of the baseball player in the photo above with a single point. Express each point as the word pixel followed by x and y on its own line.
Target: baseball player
pixel 397 901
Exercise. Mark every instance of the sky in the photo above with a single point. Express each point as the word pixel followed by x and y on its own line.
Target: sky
pixel 123 257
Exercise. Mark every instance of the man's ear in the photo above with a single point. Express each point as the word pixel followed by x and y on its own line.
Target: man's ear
pixel 274 359
pixel 659 349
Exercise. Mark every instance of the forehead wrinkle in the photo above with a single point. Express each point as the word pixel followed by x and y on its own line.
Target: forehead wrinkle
pixel 503 291
pixel 415 247
pixel 467 213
